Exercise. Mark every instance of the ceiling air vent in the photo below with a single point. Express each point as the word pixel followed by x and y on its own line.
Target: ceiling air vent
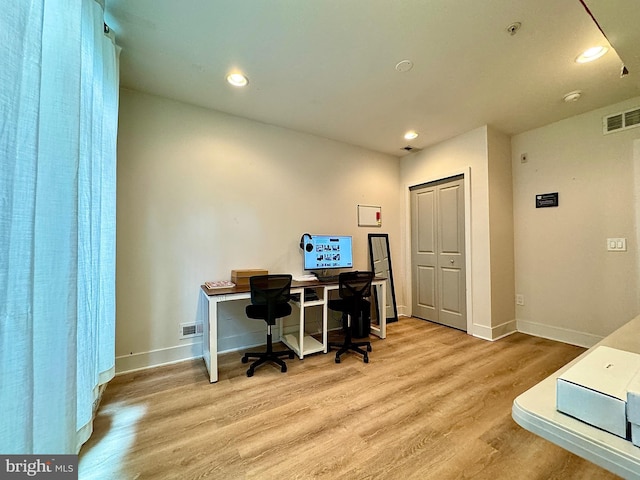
pixel 621 121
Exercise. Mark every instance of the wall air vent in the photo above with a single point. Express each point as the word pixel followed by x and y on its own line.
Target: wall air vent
pixel 621 121
pixel 188 330
pixel 632 118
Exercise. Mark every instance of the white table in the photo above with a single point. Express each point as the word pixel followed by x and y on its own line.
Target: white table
pixel 302 344
pixel 535 410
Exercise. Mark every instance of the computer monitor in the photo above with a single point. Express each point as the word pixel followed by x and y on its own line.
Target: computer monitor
pixel 323 252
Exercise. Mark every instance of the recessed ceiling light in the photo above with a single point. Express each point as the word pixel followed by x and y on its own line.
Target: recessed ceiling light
pixel 237 79
pixel 572 96
pixel 592 54
pixel 410 135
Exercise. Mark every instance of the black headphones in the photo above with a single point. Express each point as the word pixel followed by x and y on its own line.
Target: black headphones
pixel 309 246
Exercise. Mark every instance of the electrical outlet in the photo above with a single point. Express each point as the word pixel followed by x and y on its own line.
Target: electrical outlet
pixel 617 244
pixel 519 299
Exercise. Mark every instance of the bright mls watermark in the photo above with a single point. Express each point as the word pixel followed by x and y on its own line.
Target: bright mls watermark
pixel 51 467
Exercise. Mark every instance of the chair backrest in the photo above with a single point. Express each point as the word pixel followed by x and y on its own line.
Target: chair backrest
pixel 355 285
pixel 270 289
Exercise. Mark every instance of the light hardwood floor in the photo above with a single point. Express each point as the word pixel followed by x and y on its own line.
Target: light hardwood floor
pixel 433 403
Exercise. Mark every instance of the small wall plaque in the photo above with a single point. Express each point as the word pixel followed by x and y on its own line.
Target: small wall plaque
pixel 369 216
pixel 544 200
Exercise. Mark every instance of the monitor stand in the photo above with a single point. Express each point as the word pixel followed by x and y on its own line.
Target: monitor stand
pixel 325 276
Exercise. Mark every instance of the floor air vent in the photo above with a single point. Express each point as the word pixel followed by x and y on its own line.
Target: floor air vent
pixel 621 121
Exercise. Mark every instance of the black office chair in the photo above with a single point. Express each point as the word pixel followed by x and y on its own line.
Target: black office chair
pixel 269 301
pixel 353 288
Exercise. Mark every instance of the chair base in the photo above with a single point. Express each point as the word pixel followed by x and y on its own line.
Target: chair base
pixel 268 356
pixel 350 346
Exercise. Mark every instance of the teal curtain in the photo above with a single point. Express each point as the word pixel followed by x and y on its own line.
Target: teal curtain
pixel 58 98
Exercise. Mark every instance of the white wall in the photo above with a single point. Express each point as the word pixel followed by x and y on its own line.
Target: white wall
pixel 464 153
pixel 501 233
pixel 574 290
pixel 201 193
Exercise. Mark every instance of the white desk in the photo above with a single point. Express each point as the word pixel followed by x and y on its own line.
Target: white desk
pixel 535 410
pixel 302 344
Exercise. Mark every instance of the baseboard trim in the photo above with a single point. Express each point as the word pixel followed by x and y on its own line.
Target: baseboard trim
pixel 495 333
pixel 564 335
pixel 168 356
pixel 156 358
pixel 181 353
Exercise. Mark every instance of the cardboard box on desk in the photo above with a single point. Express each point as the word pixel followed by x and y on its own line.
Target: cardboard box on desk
pixel 594 390
pixel 241 277
pixel 633 408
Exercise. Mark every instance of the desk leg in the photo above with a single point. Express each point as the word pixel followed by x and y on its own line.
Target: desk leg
pixel 382 314
pixel 381 329
pixel 325 318
pixel 301 328
pixel 210 337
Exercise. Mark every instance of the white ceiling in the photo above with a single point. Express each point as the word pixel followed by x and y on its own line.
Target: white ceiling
pixel 327 67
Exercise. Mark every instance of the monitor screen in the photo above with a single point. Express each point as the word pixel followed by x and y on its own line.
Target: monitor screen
pixel 327 251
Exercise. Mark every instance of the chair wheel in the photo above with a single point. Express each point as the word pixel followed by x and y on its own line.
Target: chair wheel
pixel 337 359
pixel 368 348
pixel 366 359
pixel 291 355
pixel 245 359
pixel 250 373
pixel 283 369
